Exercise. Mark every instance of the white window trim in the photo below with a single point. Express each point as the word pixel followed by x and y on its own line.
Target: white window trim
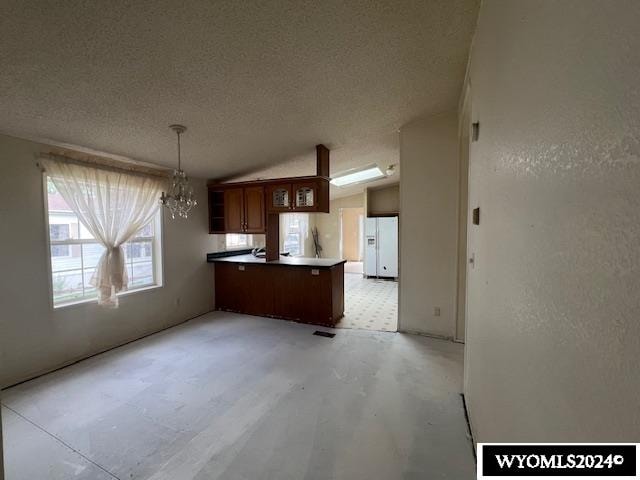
pixel 156 244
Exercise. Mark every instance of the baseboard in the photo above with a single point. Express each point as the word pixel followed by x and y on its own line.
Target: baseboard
pixel 41 373
pixel 467 415
pixel 430 335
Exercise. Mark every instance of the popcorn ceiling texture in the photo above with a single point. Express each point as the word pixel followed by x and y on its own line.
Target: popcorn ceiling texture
pixel 255 82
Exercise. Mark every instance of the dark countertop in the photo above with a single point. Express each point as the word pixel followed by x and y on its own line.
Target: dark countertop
pixel 284 261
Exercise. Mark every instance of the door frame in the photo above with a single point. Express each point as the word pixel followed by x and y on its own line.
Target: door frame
pixel 462 265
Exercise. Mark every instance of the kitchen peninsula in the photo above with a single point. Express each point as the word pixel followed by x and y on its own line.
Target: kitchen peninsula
pixel 309 290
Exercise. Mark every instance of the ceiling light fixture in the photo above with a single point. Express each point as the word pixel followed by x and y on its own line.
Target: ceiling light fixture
pixel 391 170
pixel 366 174
pixel 179 200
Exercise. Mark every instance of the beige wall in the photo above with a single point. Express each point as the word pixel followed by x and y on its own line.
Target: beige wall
pixel 553 330
pixel 33 337
pixel 428 225
pixel 383 200
pixel 328 224
pixel 351 233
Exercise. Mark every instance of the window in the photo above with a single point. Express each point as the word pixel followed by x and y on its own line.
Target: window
pixel 75 254
pixel 295 230
pixel 237 240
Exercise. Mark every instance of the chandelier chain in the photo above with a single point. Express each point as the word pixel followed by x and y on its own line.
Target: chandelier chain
pixel 179 200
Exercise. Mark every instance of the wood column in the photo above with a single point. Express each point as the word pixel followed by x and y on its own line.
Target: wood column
pixel 322 161
pixel 273 237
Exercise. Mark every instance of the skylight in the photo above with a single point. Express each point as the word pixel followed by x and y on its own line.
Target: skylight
pixel 364 175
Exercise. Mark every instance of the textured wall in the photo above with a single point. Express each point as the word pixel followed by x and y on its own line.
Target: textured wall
pixel 33 337
pixel 553 330
pixel 428 225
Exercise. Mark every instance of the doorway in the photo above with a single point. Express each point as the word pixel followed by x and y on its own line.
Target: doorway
pixel 371 302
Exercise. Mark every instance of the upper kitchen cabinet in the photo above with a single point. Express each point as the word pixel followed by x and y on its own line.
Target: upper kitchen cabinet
pixel 242 207
pixel 237 210
pixel 254 215
pixel 304 195
pixel 234 210
pixel 279 197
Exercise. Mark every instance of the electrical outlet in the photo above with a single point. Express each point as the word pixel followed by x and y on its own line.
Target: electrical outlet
pixel 436 311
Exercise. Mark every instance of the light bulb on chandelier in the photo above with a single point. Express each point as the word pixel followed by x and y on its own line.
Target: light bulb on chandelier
pixel 179 199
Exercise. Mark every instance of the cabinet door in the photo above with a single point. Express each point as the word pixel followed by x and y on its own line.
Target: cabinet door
pixel 279 198
pixel 305 196
pixel 234 210
pixel 254 218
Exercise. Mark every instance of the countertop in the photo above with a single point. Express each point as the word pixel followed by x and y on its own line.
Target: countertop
pixel 284 261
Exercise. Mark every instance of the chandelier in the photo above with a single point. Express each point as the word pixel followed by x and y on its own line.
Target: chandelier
pixel 179 200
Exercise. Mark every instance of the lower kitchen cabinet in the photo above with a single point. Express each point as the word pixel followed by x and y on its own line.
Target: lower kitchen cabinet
pixel 301 293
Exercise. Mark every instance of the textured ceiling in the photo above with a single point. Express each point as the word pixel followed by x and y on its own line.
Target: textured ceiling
pixel 256 83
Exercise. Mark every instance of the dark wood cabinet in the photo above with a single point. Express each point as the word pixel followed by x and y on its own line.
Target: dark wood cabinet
pixel 310 195
pixel 237 209
pixel 234 210
pixel 254 214
pixel 279 197
pixel 304 294
pixel 241 288
pixel 305 196
pixel 216 211
pixel 242 207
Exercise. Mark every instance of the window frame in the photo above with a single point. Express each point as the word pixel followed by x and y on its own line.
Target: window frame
pixel 157 255
pixel 302 217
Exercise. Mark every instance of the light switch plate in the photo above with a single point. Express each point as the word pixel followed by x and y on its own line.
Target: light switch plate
pixel 315 271
pixel 241 268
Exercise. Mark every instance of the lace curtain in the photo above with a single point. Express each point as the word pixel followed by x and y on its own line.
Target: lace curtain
pixel 113 206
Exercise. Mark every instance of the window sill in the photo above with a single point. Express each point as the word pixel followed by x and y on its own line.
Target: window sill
pixel 126 293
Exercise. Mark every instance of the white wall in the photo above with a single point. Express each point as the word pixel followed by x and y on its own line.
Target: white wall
pixel 428 225
pixel 33 337
pixel 553 330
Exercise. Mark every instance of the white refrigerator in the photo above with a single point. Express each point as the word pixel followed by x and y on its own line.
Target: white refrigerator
pixel 381 247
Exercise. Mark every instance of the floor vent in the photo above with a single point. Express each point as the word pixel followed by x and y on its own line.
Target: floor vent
pixel 324 334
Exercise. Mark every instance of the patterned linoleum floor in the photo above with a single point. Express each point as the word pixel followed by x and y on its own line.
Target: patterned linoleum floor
pixel 369 303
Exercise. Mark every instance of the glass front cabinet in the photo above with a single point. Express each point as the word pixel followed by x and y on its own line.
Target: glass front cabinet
pixel 279 197
pixel 293 197
pixel 305 196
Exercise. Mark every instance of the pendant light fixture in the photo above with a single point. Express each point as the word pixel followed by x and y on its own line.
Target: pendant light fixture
pixel 179 200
